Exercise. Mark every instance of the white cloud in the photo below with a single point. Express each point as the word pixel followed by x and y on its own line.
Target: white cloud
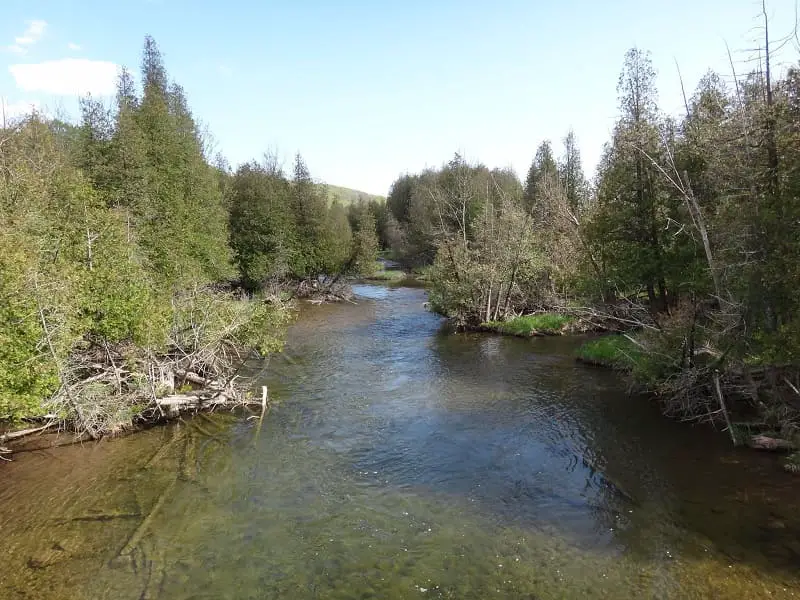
pixel 67 77
pixel 73 46
pixel 32 34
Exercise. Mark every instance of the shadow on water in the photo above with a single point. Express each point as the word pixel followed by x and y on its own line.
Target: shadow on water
pixel 402 461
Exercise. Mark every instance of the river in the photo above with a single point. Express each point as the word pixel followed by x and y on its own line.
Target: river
pixel 399 460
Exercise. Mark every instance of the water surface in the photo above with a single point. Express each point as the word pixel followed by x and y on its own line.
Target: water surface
pixel 403 461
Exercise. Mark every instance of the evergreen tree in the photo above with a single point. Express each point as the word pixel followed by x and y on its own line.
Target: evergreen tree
pixel 310 214
pixel 570 174
pixel 542 173
pixel 261 224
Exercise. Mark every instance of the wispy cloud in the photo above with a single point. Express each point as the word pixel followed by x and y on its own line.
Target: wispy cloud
pixel 73 46
pixel 33 33
pixel 67 77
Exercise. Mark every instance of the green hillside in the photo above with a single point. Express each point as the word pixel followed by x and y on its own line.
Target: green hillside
pixel 349 196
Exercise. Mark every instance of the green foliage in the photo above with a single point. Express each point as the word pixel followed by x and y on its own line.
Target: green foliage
pixel 262 224
pixel 27 372
pixel 285 229
pixel 380 273
pixel 149 159
pixel 615 351
pixel 365 239
pixel 336 244
pixel 103 228
pixel 317 240
pixel 529 325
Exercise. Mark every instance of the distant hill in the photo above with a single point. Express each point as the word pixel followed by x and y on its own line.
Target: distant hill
pixel 349 196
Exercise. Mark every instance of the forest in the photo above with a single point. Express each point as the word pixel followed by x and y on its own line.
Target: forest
pixel 686 242
pixel 134 262
pixel 134 266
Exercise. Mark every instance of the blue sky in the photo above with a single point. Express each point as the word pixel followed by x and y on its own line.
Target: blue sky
pixel 366 90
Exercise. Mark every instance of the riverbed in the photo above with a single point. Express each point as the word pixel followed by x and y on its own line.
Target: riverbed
pixel 401 460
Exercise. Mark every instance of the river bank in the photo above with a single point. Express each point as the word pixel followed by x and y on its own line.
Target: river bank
pixel 620 351
pixel 474 467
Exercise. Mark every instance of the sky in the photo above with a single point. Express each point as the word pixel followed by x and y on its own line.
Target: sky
pixel 367 90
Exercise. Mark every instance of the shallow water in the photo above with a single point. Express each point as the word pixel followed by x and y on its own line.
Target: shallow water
pixel 401 461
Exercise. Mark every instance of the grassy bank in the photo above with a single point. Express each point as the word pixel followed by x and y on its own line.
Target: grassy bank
pixel 613 351
pixel 381 273
pixel 530 325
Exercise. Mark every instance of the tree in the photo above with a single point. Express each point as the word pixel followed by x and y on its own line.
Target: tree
pixel 541 170
pixel 570 174
pixel 261 224
pixel 633 215
pixel 309 206
pixel 365 240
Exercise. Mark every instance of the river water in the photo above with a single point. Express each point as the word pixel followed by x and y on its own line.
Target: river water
pixel 403 461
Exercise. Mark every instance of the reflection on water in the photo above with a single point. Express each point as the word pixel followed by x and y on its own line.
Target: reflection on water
pixel 402 462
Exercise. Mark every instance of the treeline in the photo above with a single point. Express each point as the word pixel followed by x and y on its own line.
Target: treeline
pixel 688 237
pixel 125 254
pixel 284 229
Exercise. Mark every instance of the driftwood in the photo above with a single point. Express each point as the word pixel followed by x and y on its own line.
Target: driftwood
pixel 15 435
pixel 764 442
pixel 193 377
pixel 189 401
pixel 724 408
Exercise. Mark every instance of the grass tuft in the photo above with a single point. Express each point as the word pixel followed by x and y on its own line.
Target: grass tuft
pixel 545 323
pixel 615 351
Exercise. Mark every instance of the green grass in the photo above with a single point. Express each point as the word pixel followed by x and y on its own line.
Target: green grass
pixel 381 274
pixel 615 351
pixel 546 323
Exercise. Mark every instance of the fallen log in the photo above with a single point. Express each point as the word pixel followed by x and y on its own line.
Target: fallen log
pixel 186 401
pixel 15 435
pixel 765 442
pixel 141 530
pixel 193 377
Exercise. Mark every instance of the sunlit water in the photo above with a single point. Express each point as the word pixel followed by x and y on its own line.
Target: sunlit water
pixel 402 461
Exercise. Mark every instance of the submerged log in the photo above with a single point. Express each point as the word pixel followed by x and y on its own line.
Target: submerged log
pixel 137 535
pixel 765 442
pixel 15 435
